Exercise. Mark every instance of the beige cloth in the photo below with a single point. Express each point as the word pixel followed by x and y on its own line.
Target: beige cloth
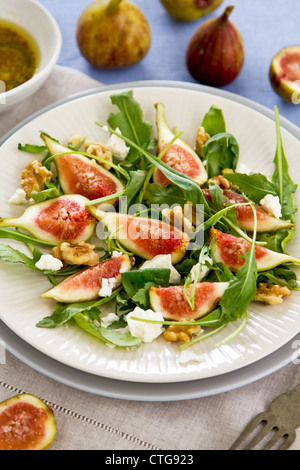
pixel 91 422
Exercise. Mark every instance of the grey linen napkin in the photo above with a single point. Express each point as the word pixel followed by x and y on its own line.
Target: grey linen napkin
pixel 92 422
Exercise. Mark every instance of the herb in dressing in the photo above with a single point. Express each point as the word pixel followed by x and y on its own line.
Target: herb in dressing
pixel 19 55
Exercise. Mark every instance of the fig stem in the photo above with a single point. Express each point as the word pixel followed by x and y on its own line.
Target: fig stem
pixel 113 6
pixel 227 13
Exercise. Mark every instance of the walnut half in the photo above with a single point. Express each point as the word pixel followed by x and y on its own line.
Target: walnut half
pixel 34 177
pixel 77 254
pixel 271 294
pixel 201 138
pixel 181 332
pixel 177 218
pixel 100 150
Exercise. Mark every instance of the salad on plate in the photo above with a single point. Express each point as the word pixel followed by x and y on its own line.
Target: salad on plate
pixel 175 239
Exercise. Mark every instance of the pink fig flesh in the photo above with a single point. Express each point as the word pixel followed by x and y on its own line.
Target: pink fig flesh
pixel 63 219
pixel 86 284
pixel 173 304
pixel 229 249
pixel 245 217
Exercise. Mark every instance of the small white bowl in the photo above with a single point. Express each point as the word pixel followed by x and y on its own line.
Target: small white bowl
pixel 33 17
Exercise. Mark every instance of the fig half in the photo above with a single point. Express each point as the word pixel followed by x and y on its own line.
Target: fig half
pixel 245 217
pixel 173 305
pixel 145 237
pixel 85 285
pixel 179 156
pixel 81 175
pixel 227 249
pixel 62 219
pixel 26 423
pixel 285 74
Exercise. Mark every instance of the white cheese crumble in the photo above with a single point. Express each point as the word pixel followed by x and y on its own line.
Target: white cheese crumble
pixel 108 318
pixel 116 254
pixel 187 356
pixel 49 263
pixel 242 168
pixel 271 204
pixel 107 287
pixel 117 146
pixel 163 262
pixel 204 269
pixel 145 331
pixel 19 197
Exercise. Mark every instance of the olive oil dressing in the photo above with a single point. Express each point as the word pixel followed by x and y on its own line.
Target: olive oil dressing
pixel 19 55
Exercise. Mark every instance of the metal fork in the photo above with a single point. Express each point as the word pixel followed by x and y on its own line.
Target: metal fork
pixel 276 427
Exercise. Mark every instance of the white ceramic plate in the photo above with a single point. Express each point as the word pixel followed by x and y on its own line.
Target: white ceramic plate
pixel 268 328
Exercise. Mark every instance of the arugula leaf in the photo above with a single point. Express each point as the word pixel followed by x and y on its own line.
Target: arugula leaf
pixel 14 234
pixel 45 194
pixel 65 312
pixel 158 194
pixel 8 253
pixel 130 122
pixel 241 290
pixel 284 185
pixel 190 188
pixel 255 186
pixel 133 281
pixel 213 121
pixel 281 275
pixel 32 148
pixel 220 152
pixel 107 335
pixel 133 186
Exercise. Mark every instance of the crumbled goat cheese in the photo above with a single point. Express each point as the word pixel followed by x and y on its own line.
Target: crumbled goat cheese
pixel 204 269
pixel 241 168
pixel 146 331
pixel 19 197
pixel 107 287
pixel 117 146
pixel 187 356
pixel 49 263
pixel 108 318
pixel 163 262
pixel 271 204
pixel 116 254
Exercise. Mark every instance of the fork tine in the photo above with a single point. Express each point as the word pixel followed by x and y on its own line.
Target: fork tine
pixel 249 429
pixel 288 441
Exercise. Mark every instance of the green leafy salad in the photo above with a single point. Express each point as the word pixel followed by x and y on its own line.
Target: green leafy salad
pixel 209 236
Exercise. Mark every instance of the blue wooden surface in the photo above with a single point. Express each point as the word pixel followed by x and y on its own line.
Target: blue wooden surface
pixel 265 25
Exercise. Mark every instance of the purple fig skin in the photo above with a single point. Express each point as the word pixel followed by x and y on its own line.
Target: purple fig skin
pixel 215 55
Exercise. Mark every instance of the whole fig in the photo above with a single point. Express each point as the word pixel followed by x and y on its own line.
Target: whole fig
pixel 113 34
pixel 190 10
pixel 215 54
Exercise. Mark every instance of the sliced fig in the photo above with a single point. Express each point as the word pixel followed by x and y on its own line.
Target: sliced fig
pixel 173 305
pixel 145 237
pixel 179 156
pixel 86 284
pixel 62 219
pixel 285 74
pixel 228 249
pixel 81 175
pixel 245 217
pixel 26 423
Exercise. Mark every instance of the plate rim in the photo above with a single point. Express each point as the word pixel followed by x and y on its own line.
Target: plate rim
pixel 288 125
pixel 293 129
pixel 141 391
